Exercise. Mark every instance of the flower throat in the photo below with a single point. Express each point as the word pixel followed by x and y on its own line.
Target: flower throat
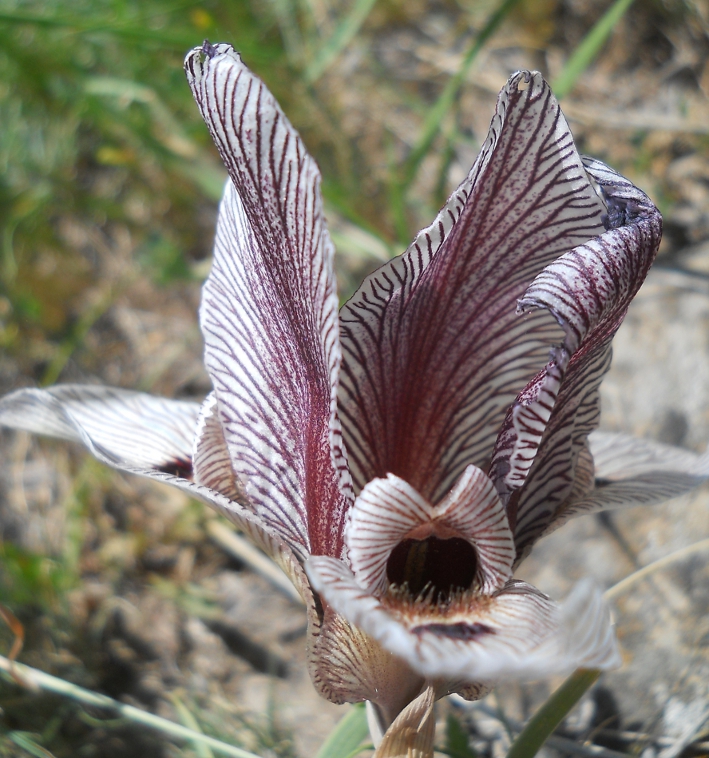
pixel 434 564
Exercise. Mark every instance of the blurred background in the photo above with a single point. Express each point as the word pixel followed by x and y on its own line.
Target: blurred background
pixel 109 185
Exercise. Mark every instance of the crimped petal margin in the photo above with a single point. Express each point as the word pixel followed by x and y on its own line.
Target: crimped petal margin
pixel 433 352
pixel 211 461
pixel 411 735
pixel 269 309
pixel 518 634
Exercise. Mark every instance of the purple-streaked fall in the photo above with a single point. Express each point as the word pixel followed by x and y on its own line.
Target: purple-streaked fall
pixel 398 459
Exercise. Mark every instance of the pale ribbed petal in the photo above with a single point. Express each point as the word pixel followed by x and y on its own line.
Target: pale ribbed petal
pixel 411 735
pixel 131 428
pixel 348 666
pixel 631 471
pixel 269 310
pixel 619 456
pixel 389 510
pixel 433 351
pixel 517 634
pixel 211 461
pixel 588 290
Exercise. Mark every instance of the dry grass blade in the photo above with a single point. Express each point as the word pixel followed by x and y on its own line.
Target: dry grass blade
pixel 245 552
pixel 19 631
pixel 668 560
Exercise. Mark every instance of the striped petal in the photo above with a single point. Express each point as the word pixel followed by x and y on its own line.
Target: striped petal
pixel 211 461
pixel 588 291
pixel 632 471
pixel 130 428
pixel 269 310
pixel 433 350
pixel 517 634
pixel 142 435
pixel 389 511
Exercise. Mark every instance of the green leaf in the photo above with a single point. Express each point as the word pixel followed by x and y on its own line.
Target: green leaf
pixel 589 48
pixel 347 736
pixel 457 739
pixel 552 713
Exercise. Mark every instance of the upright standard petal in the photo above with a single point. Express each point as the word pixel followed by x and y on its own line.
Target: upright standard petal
pixel 588 290
pixel 433 351
pixel 269 310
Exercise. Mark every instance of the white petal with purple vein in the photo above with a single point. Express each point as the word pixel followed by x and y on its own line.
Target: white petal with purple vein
pixel 130 427
pixel 269 311
pixel 138 434
pixel 518 634
pixel 433 351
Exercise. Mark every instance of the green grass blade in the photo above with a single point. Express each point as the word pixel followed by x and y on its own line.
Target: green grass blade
pixel 34 679
pixel 188 720
pixel 341 37
pixel 457 739
pixel 347 736
pixel 23 740
pixel 552 713
pixel 446 99
pixel 589 48
pixel 134 32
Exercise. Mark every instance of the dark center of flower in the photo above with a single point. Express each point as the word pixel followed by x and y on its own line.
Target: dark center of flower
pixel 433 564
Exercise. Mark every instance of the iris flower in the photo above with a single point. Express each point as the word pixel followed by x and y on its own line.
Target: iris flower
pixel 399 460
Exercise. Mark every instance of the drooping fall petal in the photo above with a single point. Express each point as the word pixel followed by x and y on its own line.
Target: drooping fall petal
pixel 269 310
pixel 631 471
pixel 139 434
pixel 348 666
pixel 588 290
pixel 433 351
pixel 131 428
pixel 518 633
